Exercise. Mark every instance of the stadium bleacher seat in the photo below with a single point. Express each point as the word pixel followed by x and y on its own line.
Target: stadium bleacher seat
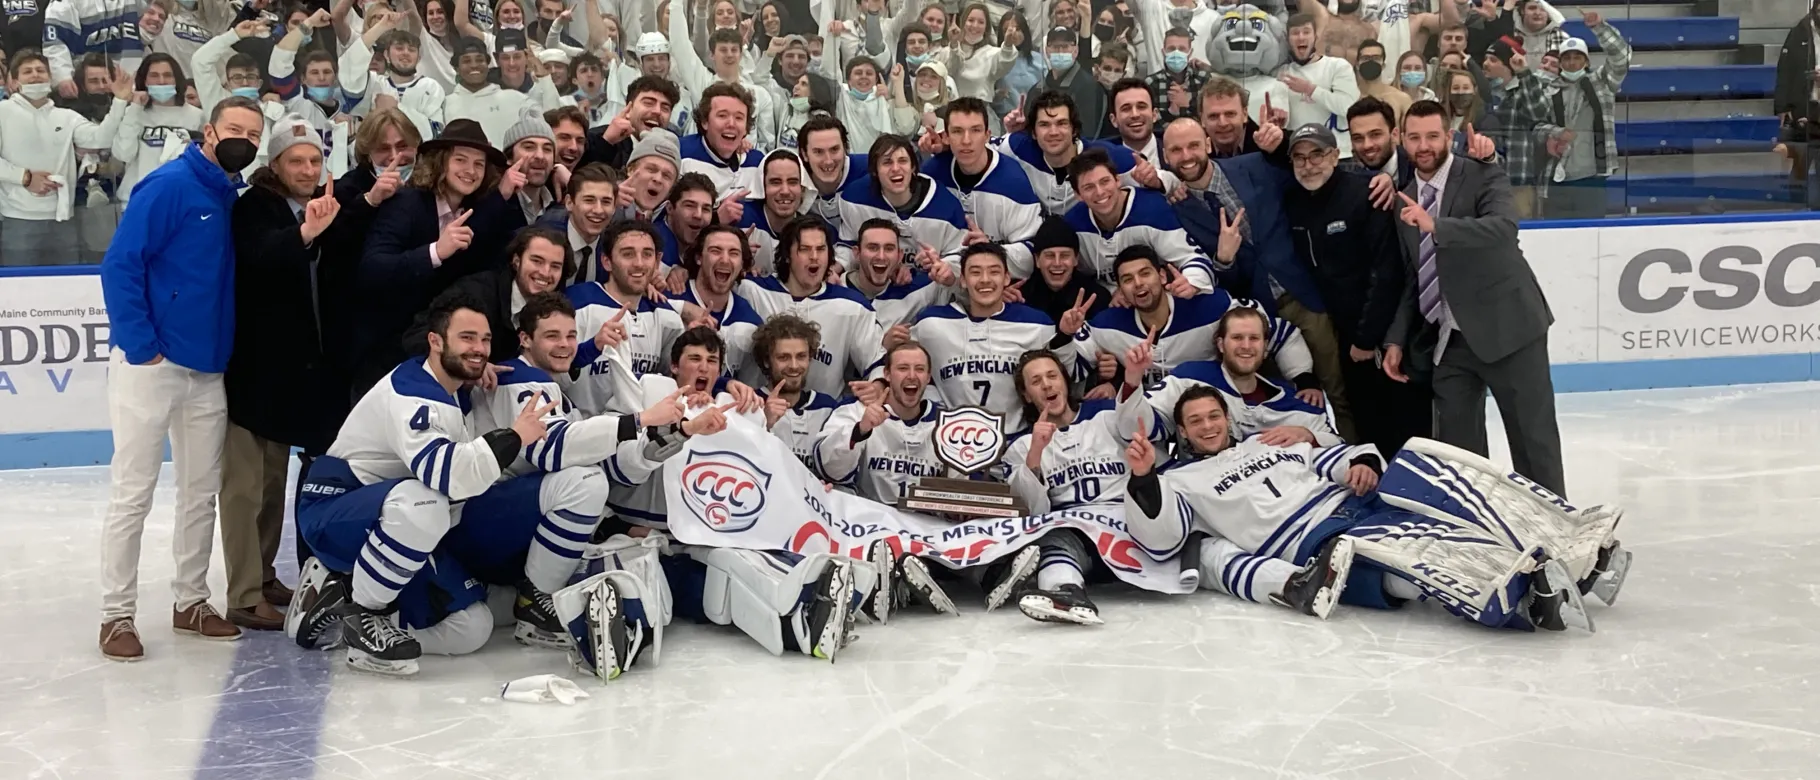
pixel 1722 82
pixel 1682 193
pixel 1671 136
pixel 1692 32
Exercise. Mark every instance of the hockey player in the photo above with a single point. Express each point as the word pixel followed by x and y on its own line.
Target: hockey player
pixel 715 152
pixel 621 307
pixel 763 218
pixel 1050 142
pixel 716 263
pixel 1185 327
pixel 784 346
pixel 823 143
pixel 407 465
pixel 1073 455
pixel 993 189
pixel 851 338
pixel 652 52
pixel 418 96
pixel 476 97
pixel 894 190
pixel 974 343
pixel 689 208
pixel 1257 405
pixel 1442 524
pixel 879 263
pixel 878 449
pixel 1112 216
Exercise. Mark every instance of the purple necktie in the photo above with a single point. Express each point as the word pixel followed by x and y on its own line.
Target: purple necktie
pixel 1428 277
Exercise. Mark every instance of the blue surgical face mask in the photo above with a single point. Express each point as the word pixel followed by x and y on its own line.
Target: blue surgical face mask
pixel 3 94
pixel 815 63
pixel 916 60
pixel 1060 60
pixel 861 95
pixel 162 93
pixel 404 173
pixel 1413 78
pixel 250 93
pixel 1175 61
pixel 322 94
pixel 1573 75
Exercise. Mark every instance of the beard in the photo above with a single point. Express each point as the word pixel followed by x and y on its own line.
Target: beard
pixel 453 366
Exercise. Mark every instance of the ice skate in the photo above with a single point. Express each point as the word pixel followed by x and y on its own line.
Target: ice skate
pixel 1012 576
pixel 918 583
pixel 600 643
pixel 821 624
pixel 884 597
pixel 1607 576
pixel 1066 604
pixel 314 619
pixel 538 625
pixel 1316 588
pixel 376 643
pixel 1554 600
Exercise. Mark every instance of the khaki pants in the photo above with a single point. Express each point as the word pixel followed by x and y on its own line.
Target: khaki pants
pixel 252 512
pixel 1524 198
pixel 1324 347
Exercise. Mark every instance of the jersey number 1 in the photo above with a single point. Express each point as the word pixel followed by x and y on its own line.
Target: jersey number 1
pixel 1273 488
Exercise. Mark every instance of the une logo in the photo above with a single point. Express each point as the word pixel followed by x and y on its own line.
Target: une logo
pixel 724 489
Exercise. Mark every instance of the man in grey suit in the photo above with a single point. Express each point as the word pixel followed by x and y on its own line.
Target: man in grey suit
pixel 1472 315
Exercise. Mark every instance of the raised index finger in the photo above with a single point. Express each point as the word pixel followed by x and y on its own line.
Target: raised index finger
pixel 619 315
pixel 1151 340
pixel 462 218
pixel 1406 198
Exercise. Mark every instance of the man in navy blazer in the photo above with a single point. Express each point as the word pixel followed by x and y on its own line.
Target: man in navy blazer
pixel 587 208
pixel 454 220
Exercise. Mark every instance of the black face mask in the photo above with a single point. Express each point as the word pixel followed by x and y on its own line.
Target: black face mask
pixel 1102 32
pixel 235 154
pixel 1461 101
pixel 1370 70
pixel 1349 8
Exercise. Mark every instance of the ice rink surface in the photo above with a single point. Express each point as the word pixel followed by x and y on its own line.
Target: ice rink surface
pixel 1706 668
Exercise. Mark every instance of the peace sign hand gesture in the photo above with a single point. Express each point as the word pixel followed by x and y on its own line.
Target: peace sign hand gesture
pixel 530 425
pixel 1231 238
pixel 1075 318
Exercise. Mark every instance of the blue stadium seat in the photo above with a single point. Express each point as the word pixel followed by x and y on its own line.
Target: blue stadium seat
pixel 1718 82
pixel 1670 136
pixel 1688 192
pixel 1666 34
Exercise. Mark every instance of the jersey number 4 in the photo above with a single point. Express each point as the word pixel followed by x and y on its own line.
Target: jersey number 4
pixel 421 420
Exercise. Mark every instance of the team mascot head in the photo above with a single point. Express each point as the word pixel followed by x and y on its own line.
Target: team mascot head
pixel 1247 42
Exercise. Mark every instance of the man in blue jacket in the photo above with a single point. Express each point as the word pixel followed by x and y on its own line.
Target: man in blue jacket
pixel 168 279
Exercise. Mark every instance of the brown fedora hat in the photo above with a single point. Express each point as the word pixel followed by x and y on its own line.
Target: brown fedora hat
pixel 468 133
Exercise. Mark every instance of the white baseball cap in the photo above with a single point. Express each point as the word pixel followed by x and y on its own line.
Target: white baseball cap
pixel 1575 44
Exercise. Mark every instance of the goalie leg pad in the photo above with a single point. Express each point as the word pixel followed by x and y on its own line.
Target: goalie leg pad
pixel 1470 574
pixel 754 590
pixel 1451 484
pixel 462 632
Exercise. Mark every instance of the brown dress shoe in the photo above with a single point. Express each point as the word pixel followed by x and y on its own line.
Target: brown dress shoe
pixel 203 621
pixel 260 617
pixel 120 641
pixel 275 593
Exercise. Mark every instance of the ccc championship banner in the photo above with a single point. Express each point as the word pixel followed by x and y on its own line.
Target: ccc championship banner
pixel 743 488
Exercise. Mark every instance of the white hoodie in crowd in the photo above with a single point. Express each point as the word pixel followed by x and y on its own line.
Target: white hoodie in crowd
pixel 1336 88
pixel 44 138
pixel 496 109
pixel 151 135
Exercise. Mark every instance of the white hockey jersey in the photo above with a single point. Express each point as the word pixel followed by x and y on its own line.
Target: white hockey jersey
pixel 973 361
pixel 736 323
pixel 604 385
pixel 73 28
pixel 1279 409
pixel 1084 462
pixel 1189 335
pixel 899 303
pixel 1051 186
pixel 827 205
pixel 1148 219
pixel 761 238
pixel 747 174
pixel 421 98
pixel 1262 498
pixel 409 427
pixel 887 461
pixel 635 492
pixel 852 342
pixel 939 221
pixel 573 438
pixel 1002 205
pixel 801 427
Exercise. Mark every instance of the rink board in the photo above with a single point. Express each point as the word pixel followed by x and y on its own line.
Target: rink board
pixel 1638 303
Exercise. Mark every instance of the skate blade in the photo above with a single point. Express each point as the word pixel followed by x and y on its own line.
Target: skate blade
pixel 609 638
pixel 370 665
pixel 1041 609
pixel 532 636
pixel 1606 587
pixel 1341 564
pixel 1023 567
pixel 878 606
pixel 1573 605
pixel 834 633
pixel 923 584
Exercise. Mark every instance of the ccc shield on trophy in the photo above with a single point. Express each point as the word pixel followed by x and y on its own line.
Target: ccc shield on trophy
pixel 968 440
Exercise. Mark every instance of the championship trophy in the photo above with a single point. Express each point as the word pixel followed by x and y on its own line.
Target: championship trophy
pixel 967 441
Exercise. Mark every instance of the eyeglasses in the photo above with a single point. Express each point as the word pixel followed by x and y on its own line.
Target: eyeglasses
pixel 1309 160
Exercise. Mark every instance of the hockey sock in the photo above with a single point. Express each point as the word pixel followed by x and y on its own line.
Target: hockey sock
pixel 384 567
pixel 557 547
pixel 1401 588
pixel 1227 567
pixel 1056 571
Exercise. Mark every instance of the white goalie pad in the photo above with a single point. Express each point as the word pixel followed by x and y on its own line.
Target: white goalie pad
pixel 1452 485
pixel 754 590
pixel 1470 574
pixel 633 565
